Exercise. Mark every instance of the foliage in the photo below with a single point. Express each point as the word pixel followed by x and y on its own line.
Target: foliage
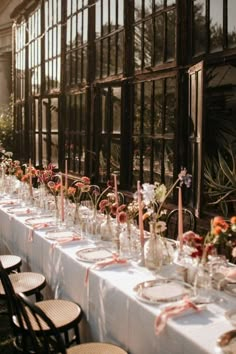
pixel 6 127
pixel 220 179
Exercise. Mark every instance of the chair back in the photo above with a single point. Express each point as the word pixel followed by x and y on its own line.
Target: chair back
pixel 29 322
pixel 189 223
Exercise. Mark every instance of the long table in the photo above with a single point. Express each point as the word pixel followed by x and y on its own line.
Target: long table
pixel 112 312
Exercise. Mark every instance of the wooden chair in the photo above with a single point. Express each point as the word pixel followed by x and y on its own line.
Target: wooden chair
pixel 65 316
pixel 96 348
pixel 11 262
pixel 189 223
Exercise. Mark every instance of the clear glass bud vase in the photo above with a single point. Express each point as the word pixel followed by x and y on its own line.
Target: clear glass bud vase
pixel 153 249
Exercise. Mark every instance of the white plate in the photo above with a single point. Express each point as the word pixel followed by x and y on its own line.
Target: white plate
pixel 161 291
pixel 227 342
pixel 230 289
pixel 231 316
pixel 93 254
pixel 40 220
pixel 60 235
pixel 20 211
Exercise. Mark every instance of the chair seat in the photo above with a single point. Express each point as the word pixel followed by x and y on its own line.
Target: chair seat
pixel 11 262
pixel 28 283
pixel 96 348
pixel 61 312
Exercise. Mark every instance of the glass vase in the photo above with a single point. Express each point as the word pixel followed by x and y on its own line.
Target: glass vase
pixel 154 249
pixel 106 229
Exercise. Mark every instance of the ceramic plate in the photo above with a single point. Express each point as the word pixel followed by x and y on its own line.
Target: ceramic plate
pixel 230 289
pixel 227 342
pixel 231 316
pixel 61 235
pixel 40 220
pixel 93 254
pixel 20 211
pixel 161 290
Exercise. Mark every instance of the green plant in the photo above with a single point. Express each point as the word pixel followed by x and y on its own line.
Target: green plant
pixel 220 179
pixel 6 127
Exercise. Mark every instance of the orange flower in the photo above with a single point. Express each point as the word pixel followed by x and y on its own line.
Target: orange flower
pixel 233 220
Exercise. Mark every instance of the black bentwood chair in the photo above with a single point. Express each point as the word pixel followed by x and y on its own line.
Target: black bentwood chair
pixel 189 223
pixel 65 315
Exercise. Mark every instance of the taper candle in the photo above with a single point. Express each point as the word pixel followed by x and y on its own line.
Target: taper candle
pixel 62 201
pixel 140 214
pixel 180 218
pixel 115 188
pixel 66 175
pixel 30 178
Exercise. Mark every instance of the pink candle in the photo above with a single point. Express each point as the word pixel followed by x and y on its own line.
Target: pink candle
pixel 30 178
pixel 62 202
pixel 140 214
pixel 66 175
pixel 180 218
pixel 115 187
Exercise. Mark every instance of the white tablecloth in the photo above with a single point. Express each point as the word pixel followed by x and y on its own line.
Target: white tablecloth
pixel 112 312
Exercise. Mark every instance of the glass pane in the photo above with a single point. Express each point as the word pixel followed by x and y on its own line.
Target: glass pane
pixel 231 23
pixel 44 114
pixel 159 39
pixel 112 15
pixel 98 19
pixel 103 160
pixel 170 2
pixel 79 29
pixel 104 110
pixel 170 121
pixel 136 157
pixel 84 74
pixel 159 4
pixel 121 13
pixel 170 40
pixel 137 108
pixel 54 149
pixel 158 106
pixel 169 162
pixel 157 160
pixel 104 57
pixel 120 52
pixel 68 36
pixel 85 26
pixel 115 157
pixel 44 150
pixel 137 9
pixel 216 25
pixel 148 7
pixel 83 113
pixel 73 33
pixel 98 60
pixel 138 47
pixel 148 36
pixel 116 106
pixel 199 11
pixel 113 51
pixel 105 21
pixel 147 118
pixel 147 149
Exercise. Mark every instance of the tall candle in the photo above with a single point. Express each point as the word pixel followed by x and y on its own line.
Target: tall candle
pixel 30 178
pixel 62 201
pixel 66 175
pixel 180 218
pixel 140 214
pixel 115 187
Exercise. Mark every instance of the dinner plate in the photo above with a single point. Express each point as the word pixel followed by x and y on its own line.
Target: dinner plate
pixel 40 220
pixel 93 254
pixel 230 289
pixel 60 235
pixel 162 290
pixel 20 211
pixel 227 342
pixel 231 316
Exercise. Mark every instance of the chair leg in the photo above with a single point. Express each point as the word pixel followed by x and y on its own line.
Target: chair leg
pixel 38 296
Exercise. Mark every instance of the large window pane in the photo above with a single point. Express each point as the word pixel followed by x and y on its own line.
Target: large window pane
pixel 216 25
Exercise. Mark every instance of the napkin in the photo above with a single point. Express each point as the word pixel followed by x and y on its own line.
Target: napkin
pixel 38 226
pixel 174 310
pixel 65 239
pixel 115 259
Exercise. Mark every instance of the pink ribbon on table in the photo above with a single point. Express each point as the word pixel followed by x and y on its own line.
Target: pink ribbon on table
pixel 38 226
pixel 174 310
pixel 102 264
pixel 64 240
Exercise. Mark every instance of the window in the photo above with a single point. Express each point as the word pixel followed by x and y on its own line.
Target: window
pixel 52 43
pixel 20 56
pixel 154 130
pixel 154 33
pixel 34 39
pixel 109 37
pixel 76 42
